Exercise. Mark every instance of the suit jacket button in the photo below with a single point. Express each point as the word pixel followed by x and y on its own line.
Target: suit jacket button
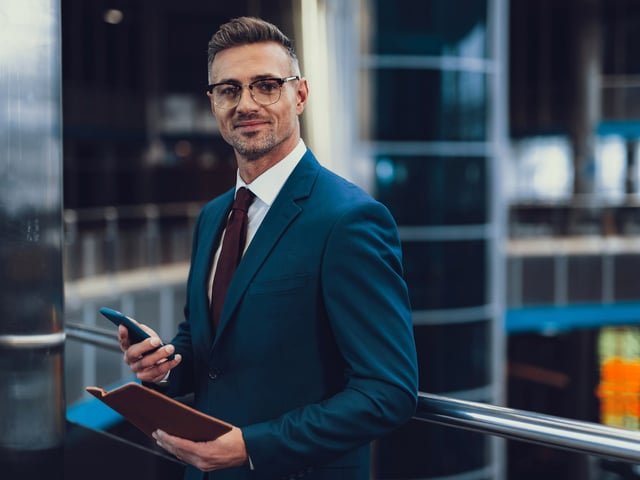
pixel 214 375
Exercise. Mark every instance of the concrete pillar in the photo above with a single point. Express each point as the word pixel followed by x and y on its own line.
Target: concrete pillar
pixel 32 407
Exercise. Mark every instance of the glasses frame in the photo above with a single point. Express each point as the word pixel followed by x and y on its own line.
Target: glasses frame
pixel 281 82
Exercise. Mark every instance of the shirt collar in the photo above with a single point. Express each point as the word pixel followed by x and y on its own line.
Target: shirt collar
pixel 267 186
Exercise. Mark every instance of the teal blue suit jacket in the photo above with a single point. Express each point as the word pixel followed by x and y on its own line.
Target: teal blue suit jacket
pixel 314 356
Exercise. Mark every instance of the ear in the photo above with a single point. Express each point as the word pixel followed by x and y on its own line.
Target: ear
pixel 213 107
pixel 302 93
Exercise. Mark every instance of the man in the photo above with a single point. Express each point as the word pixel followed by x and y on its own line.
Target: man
pixel 313 356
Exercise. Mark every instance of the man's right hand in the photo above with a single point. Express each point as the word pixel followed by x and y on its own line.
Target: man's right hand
pixel 148 367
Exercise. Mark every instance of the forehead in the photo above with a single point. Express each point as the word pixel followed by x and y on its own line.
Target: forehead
pixel 247 62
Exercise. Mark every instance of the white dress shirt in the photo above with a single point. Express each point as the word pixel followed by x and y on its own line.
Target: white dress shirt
pixel 266 188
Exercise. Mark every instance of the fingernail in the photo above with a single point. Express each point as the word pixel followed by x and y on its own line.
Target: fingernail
pixel 155 341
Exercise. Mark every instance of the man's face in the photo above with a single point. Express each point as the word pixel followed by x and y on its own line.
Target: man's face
pixel 253 130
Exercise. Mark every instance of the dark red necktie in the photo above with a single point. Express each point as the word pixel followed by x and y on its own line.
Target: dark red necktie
pixel 235 236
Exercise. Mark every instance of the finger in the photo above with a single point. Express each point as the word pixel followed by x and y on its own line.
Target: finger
pixel 157 372
pixel 139 350
pixel 154 362
pixel 168 443
pixel 226 451
pixel 161 354
pixel 148 364
pixel 148 329
pixel 123 338
pixel 185 450
pixel 159 437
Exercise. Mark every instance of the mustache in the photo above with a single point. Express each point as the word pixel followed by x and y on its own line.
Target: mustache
pixel 243 117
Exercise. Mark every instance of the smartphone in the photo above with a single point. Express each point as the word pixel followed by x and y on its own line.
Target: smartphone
pixel 136 334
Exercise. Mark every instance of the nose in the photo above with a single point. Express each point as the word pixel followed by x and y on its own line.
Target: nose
pixel 246 101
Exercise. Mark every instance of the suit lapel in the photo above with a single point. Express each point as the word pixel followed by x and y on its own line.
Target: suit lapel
pixel 282 213
pixel 209 235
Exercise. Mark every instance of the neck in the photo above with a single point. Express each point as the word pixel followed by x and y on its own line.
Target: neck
pixel 251 168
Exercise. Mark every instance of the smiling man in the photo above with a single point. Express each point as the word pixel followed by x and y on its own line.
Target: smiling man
pixel 305 343
pixel 260 137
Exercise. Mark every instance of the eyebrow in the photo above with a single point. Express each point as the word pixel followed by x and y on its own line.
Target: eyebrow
pixel 253 79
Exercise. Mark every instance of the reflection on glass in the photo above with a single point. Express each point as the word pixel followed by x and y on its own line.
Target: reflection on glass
pixel 433 190
pixel 610 166
pixel 428 105
pixel 430 27
pixel 445 275
pixel 467 369
pixel 402 459
pixel 542 169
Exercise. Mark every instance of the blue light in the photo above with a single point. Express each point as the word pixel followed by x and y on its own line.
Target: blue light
pixel 385 171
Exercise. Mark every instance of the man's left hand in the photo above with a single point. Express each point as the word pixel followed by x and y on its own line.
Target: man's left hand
pixel 226 451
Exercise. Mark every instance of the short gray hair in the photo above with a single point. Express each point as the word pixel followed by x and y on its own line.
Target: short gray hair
pixel 244 31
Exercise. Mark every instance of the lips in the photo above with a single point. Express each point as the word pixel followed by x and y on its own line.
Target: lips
pixel 249 124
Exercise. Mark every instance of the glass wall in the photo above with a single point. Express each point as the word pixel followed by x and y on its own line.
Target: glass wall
pixel 430 117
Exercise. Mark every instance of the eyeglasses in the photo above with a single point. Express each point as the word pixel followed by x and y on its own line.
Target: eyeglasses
pixel 265 91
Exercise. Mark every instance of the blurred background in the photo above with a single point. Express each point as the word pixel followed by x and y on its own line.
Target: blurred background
pixel 502 135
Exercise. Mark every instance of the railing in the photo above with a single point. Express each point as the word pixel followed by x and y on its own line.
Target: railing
pixel 110 239
pixel 99 337
pixel 556 432
pixel 583 437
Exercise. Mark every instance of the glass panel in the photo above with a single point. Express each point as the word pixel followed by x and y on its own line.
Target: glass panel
pixel 445 275
pixel 410 452
pixel 427 105
pixel 626 285
pixel 453 357
pixel 585 278
pixel 620 36
pixel 430 27
pixel 433 190
pixel 538 281
pixel 513 287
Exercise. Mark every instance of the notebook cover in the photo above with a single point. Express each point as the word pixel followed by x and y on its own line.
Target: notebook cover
pixel 150 410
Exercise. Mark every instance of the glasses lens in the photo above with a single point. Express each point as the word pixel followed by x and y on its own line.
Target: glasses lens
pixel 266 92
pixel 226 95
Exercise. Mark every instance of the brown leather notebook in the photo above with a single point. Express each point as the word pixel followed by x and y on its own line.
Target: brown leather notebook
pixel 150 410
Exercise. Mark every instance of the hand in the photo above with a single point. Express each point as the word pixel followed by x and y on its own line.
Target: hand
pixel 226 451
pixel 151 367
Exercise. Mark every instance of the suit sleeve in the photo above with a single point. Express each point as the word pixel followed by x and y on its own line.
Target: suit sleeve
pixel 182 380
pixel 367 305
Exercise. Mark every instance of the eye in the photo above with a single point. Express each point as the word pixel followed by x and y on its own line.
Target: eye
pixel 267 86
pixel 227 90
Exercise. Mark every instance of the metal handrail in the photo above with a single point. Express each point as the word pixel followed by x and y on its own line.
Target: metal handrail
pixel 143 211
pixel 548 430
pixel 99 337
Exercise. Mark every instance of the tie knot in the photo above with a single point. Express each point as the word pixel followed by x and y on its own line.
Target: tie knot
pixel 244 198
